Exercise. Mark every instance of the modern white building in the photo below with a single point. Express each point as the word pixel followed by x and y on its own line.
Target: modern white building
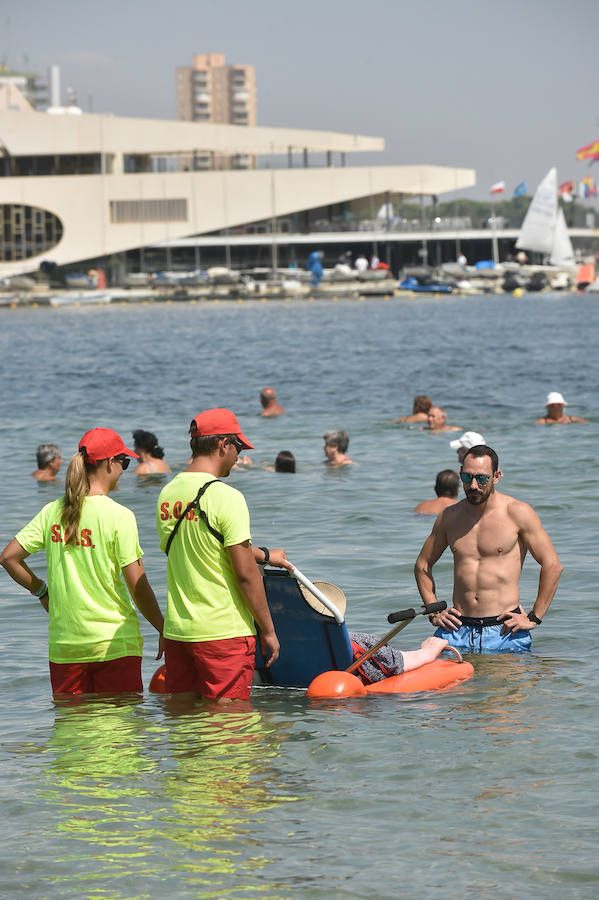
pixel 31 85
pixel 75 188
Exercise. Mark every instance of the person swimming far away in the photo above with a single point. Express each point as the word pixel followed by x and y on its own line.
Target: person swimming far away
pixel 420 407
pixel 151 455
pixel 555 412
pixel 270 405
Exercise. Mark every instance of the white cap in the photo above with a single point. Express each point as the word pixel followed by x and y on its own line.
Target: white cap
pixel 555 397
pixel 467 440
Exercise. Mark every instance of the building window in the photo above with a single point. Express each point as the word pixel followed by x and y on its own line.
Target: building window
pixel 27 231
pixel 127 212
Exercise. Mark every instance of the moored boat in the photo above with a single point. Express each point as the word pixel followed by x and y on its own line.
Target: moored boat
pixel 81 298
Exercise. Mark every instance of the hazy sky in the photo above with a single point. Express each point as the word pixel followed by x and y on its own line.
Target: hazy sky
pixel 507 87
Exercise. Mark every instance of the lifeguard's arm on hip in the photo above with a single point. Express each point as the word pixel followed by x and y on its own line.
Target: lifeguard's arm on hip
pixel 13 559
pixel 144 597
pixel 252 588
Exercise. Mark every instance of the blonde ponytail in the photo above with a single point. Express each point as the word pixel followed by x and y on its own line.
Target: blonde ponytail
pixel 76 489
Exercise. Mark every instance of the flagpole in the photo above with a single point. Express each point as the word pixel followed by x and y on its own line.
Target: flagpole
pixel 495 248
pixel 497 188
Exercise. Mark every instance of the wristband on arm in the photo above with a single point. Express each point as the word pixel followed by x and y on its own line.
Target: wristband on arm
pixel 534 618
pixel 266 552
pixel 40 593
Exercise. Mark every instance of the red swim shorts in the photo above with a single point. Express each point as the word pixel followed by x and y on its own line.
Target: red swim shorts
pixel 214 669
pixel 114 676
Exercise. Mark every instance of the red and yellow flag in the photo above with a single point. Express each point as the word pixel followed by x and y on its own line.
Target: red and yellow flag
pixel 588 152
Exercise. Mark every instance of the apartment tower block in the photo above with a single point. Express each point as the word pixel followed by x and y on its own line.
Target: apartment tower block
pixel 211 91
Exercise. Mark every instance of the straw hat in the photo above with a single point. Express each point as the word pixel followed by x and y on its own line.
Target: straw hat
pixel 331 592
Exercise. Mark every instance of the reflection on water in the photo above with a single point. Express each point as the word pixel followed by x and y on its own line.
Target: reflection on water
pixel 505 685
pixel 107 763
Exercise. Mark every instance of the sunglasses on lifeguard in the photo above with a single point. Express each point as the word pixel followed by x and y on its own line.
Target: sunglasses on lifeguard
pixel 123 460
pixel 237 444
pixel 480 479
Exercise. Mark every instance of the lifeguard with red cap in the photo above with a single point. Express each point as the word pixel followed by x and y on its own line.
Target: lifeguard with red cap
pixel 95 644
pixel 215 592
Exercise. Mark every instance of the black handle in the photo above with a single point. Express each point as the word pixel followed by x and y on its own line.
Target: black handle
pixel 404 614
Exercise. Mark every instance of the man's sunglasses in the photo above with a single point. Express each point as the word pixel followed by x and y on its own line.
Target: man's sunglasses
pixel 480 479
pixel 237 444
pixel 123 460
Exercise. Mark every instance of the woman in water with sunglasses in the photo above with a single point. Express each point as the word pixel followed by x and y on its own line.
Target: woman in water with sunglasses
pixel 95 643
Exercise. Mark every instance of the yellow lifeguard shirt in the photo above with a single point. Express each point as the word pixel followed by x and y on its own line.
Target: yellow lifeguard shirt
pixel 91 617
pixel 204 602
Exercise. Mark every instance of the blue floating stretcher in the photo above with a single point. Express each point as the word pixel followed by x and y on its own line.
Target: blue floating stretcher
pixel 311 641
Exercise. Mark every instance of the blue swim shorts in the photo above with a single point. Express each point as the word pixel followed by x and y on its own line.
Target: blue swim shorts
pixel 485 639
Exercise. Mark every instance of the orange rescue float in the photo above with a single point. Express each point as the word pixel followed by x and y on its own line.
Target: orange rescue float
pixel 441 673
pixel 158 682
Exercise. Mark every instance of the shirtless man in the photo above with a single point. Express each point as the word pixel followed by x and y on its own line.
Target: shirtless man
pixel 49 461
pixel 489 535
pixel 437 418
pixel 335 445
pixel 447 488
pixel 270 404
pixel 555 412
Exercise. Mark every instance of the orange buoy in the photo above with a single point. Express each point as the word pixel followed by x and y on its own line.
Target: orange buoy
pixel 158 682
pixel 434 675
pixel 335 685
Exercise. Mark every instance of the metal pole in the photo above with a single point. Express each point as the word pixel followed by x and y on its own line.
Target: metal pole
pixel 495 249
pixel 273 227
pixel 375 249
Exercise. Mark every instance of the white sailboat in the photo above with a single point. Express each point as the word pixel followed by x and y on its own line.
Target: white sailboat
pixel 544 228
pixel 562 252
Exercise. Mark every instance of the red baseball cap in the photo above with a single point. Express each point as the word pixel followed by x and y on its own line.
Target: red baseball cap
pixel 102 443
pixel 218 421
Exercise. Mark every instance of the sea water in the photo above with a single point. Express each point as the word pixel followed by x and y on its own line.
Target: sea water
pixel 487 790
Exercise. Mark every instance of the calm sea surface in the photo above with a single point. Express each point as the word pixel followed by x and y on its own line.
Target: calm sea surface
pixel 488 790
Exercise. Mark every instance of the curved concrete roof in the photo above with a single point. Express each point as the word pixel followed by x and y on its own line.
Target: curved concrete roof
pixel 26 133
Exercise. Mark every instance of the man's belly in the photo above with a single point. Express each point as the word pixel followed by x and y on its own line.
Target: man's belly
pixel 487 588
